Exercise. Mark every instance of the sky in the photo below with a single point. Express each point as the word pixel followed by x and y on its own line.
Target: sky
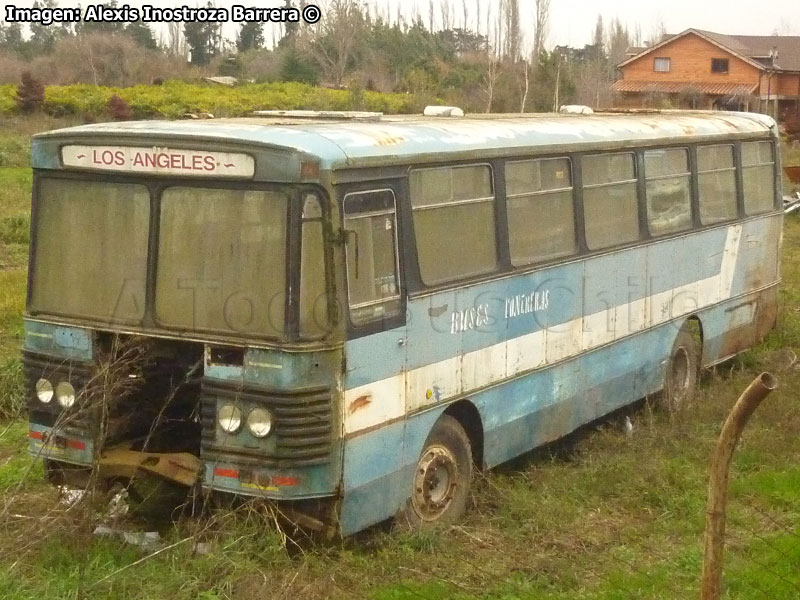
pixel 571 21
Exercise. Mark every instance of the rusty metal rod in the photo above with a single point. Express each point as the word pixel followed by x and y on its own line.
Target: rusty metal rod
pixel 747 403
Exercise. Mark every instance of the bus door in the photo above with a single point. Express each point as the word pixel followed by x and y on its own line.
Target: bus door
pixel 375 350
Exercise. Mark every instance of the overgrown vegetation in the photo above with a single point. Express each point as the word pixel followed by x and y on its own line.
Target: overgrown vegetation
pixel 174 99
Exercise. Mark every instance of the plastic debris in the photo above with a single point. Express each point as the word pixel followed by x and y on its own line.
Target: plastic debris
pixel 150 540
pixel 70 496
pixel 628 426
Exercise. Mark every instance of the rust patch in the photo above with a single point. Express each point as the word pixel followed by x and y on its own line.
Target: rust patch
pixel 359 403
pixel 737 339
pixel 792 172
pixel 437 311
pixel 767 315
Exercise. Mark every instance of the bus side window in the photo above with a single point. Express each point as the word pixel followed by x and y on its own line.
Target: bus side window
pixel 373 278
pixel 716 178
pixel 610 204
pixel 454 222
pixel 668 191
pixel 758 174
pixel 541 224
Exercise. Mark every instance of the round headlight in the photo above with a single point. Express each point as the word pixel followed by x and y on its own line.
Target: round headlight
pixel 259 422
pixel 230 418
pixel 44 391
pixel 65 394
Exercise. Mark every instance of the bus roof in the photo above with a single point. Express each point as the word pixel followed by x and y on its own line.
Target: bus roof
pixel 399 139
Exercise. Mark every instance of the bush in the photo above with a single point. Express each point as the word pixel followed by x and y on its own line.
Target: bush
pixel 30 93
pixel 15 230
pixel 172 99
pixel 119 109
pixel 12 389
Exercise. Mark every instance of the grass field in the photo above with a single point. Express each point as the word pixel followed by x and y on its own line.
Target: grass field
pixel 600 515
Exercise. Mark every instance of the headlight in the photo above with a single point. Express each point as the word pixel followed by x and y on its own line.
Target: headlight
pixel 259 422
pixel 65 394
pixel 44 391
pixel 230 418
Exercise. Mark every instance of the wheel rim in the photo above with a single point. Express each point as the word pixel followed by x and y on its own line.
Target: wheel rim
pixel 680 374
pixel 434 483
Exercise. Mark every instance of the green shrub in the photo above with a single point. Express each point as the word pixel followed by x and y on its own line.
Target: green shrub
pixel 173 99
pixel 12 388
pixel 15 229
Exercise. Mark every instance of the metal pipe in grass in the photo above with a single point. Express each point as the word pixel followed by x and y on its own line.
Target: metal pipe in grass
pixel 745 406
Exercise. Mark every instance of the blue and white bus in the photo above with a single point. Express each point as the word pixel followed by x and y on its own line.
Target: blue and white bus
pixel 350 315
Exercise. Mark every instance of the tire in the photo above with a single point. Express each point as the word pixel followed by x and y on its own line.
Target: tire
pixel 680 376
pixel 442 477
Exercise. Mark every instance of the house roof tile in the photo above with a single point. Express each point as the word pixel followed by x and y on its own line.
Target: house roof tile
pixel 753 48
pixel 678 87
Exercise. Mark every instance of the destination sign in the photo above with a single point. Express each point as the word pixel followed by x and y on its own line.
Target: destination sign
pixel 159 161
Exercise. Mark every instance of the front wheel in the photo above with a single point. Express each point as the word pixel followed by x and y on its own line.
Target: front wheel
pixel 440 486
pixel 680 378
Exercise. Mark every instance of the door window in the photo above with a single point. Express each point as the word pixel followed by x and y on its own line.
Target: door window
pixel 373 278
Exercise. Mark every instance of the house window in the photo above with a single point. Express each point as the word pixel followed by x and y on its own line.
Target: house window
pixel 661 65
pixel 719 65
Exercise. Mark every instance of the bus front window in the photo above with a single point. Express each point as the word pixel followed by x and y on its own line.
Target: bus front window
pixel 90 250
pixel 222 260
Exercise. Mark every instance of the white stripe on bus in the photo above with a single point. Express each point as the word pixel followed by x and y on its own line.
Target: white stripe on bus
pixel 392 397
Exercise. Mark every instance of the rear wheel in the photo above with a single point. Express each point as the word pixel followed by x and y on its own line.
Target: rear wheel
pixel 680 378
pixel 443 474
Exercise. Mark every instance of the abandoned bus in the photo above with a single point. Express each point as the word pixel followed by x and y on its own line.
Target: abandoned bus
pixel 348 316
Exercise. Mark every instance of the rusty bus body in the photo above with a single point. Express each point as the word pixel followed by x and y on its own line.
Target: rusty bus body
pixel 348 317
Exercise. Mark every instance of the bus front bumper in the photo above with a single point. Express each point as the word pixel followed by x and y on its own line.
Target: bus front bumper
pixel 47 443
pixel 266 482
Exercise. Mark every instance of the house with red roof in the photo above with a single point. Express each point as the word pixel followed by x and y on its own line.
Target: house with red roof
pixel 707 70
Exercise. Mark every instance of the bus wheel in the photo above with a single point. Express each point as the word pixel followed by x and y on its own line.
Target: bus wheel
pixel 680 378
pixel 442 477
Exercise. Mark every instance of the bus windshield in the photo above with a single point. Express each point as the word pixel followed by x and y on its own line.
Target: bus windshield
pixel 221 257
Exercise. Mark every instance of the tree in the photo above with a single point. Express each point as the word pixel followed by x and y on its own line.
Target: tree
pixel 513 36
pixel 659 31
pixel 44 37
pixel 295 67
pixel 619 39
pixel 85 27
pixel 30 93
pixel 176 40
pixel 203 38
pixel 11 37
pixel 541 24
pixel 251 36
pixel 290 31
pixel 142 34
pixel 490 81
pixel 339 40
pixel 598 39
